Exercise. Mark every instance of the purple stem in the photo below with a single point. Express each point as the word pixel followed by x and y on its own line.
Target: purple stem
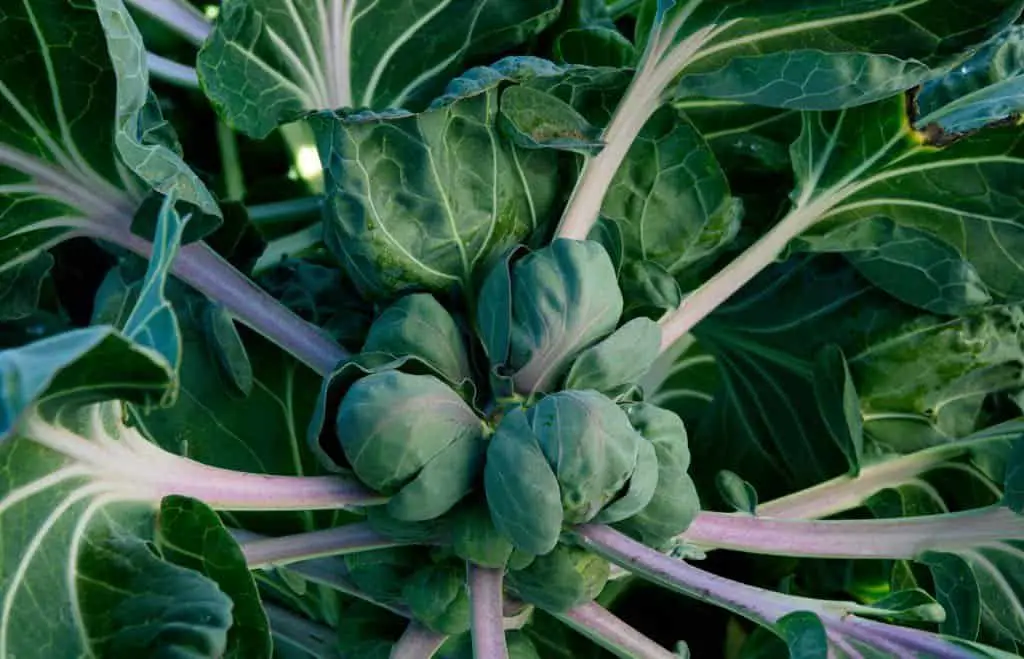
pixel 202 268
pixel 486 598
pixel 903 538
pixel 601 626
pixel 417 642
pixel 347 539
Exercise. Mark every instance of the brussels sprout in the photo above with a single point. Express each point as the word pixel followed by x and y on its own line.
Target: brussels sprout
pixel 418 326
pixel 438 597
pixel 619 361
pixel 383 522
pixel 553 303
pixel 561 579
pixel 475 538
pixel 393 426
pixel 591 446
pixel 522 492
pixel 675 502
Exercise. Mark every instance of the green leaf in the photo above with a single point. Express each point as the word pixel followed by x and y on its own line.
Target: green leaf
pixel 141 605
pixel 424 201
pixel 439 597
pixel 957 591
pixel 818 55
pixel 564 299
pixel 964 195
pixel 617 361
pixel 839 405
pixel 422 420
pixel 674 503
pixel 913 605
pixel 21 286
pixel 804 634
pixel 521 488
pixel 1013 489
pixel 594 45
pixel 191 535
pixel 736 492
pixel 229 348
pixel 535 119
pixel 417 325
pixel 987 87
pixel 146 143
pixel 982 590
pixel 311 56
pixel 744 138
pixel 58 165
pixel 561 579
pixel 591 446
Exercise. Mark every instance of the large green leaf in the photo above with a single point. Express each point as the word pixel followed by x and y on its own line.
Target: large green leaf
pixel 815 54
pixel 306 55
pixel 921 379
pixel 425 200
pixel 866 181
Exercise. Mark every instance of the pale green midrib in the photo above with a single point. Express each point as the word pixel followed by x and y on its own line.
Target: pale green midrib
pixel 389 53
pixel 297 91
pixel 449 212
pixel 82 165
pixel 313 61
pixel 316 95
pixel 803 27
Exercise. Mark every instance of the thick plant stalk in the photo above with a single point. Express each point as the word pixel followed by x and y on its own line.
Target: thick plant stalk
pixel 486 598
pixel 299 632
pixel 759 605
pixel 417 642
pixel 170 71
pixel 347 539
pixel 902 538
pixel 601 626
pixel 199 266
pixel 179 16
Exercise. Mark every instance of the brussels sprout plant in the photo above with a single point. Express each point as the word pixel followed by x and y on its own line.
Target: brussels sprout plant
pixel 511 329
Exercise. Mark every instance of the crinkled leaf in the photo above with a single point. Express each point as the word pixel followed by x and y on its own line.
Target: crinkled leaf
pixel 535 119
pixel 564 298
pixel 561 579
pixel 838 404
pixel 426 200
pixel 146 143
pixel 417 325
pixel 191 535
pixel 987 87
pixel 590 445
pixel 392 424
pixel 521 488
pixel 266 64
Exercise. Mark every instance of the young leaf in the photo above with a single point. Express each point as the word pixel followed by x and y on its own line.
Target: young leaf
pixel 417 325
pixel 838 403
pixel 736 492
pixel 425 200
pixel 528 511
pixel 438 596
pixel 191 535
pixel 349 53
pixel 564 298
pixel 561 579
pixel 617 361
